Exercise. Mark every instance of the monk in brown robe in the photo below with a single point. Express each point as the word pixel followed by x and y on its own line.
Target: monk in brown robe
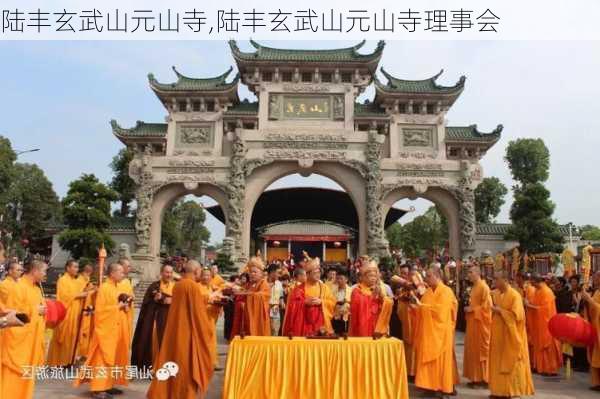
pixel 310 305
pixel 187 341
pixel 152 319
pixel 22 348
pixel 546 350
pixel 434 336
pixel 254 313
pixel 477 336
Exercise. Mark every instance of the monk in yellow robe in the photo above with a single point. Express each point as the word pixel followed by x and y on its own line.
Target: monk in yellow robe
pixel 9 284
pixel 8 318
pixel 213 309
pixel 310 304
pixel 22 348
pixel 217 282
pixel 593 316
pixel 527 291
pixel 477 336
pixel 188 342
pixel 546 350
pixel 509 373
pixel 109 346
pixel 86 321
pixel 254 296
pixel 70 290
pixel 434 337
pixel 125 287
pixel 370 307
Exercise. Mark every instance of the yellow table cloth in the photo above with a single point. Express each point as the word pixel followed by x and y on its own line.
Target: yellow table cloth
pixel 277 367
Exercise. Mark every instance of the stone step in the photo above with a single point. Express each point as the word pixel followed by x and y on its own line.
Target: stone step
pixel 139 291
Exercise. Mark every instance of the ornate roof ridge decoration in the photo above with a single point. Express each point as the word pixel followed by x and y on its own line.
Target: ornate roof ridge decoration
pixel 420 86
pixel 471 133
pixel 140 130
pixel 502 228
pixel 186 83
pixel 271 54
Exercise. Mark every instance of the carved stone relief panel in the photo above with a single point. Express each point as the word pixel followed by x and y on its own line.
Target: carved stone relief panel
pixel 417 139
pixel 194 135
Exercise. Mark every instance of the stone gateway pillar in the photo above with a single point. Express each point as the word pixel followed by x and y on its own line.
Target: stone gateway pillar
pixel 377 245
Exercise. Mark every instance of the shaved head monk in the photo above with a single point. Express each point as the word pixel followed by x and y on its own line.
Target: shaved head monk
pixel 434 338
pixel 510 374
pixel 477 336
pixel 310 305
pixel 109 337
pixel 23 347
pixel 187 341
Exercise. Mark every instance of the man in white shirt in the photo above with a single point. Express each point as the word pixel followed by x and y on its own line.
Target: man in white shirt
pixel 276 300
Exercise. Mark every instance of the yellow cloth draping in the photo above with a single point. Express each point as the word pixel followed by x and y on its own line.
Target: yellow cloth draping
pixel 277 367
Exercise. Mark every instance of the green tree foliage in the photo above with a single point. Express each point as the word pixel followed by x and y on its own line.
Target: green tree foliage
pixel 121 182
pixel 589 232
pixel 7 160
pixel 528 160
pixel 32 203
pixel 224 262
pixel 427 233
pixel 531 211
pixel 489 198
pixel 183 228
pixel 86 210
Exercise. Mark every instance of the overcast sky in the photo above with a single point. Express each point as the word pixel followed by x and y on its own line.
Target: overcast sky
pixel 60 96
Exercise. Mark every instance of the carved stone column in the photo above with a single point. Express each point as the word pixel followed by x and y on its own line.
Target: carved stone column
pixel 236 193
pixel 466 200
pixel 377 245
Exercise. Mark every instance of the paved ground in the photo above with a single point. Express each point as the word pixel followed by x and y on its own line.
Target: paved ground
pixel 546 388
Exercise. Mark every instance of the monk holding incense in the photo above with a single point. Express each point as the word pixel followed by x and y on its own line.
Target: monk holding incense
pixel 252 306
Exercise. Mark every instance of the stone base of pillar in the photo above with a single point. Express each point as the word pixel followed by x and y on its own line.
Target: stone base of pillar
pixel 148 266
pixel 379 250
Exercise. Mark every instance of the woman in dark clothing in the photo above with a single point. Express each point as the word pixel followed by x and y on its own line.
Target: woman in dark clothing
pixel 580 360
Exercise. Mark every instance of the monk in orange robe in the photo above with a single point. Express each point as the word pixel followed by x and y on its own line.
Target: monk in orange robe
pixel 125 287
pixel 9 284
pixel 70 290
pixel 434 337
pixel 370 307
pixel 546 350
pixel 86 321
pixel 213 309
pixel 216 281
pixel 22 349
pixel 509 372
pixel 527 291
pixel 109 346
pixel 252 304
pixel 593 316
pixel 188 342
pixel 310 305
pixel 8 318
pixel 477 336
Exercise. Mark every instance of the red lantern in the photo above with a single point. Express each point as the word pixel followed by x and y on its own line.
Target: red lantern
pixel 276 243
pixel 55 313
pixel 572 329
pixel 337 244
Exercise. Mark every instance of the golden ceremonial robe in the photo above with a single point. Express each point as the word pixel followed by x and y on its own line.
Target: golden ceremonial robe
pixel 546 349
pixel 408 317
pixel 62 345
pixel 109 348
pixel 434 340
pixel 23 347
pixel 477 336
pixel 188 341
pixel 510 374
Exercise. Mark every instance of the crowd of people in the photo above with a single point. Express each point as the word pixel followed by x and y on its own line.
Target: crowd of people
pixel 506 335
